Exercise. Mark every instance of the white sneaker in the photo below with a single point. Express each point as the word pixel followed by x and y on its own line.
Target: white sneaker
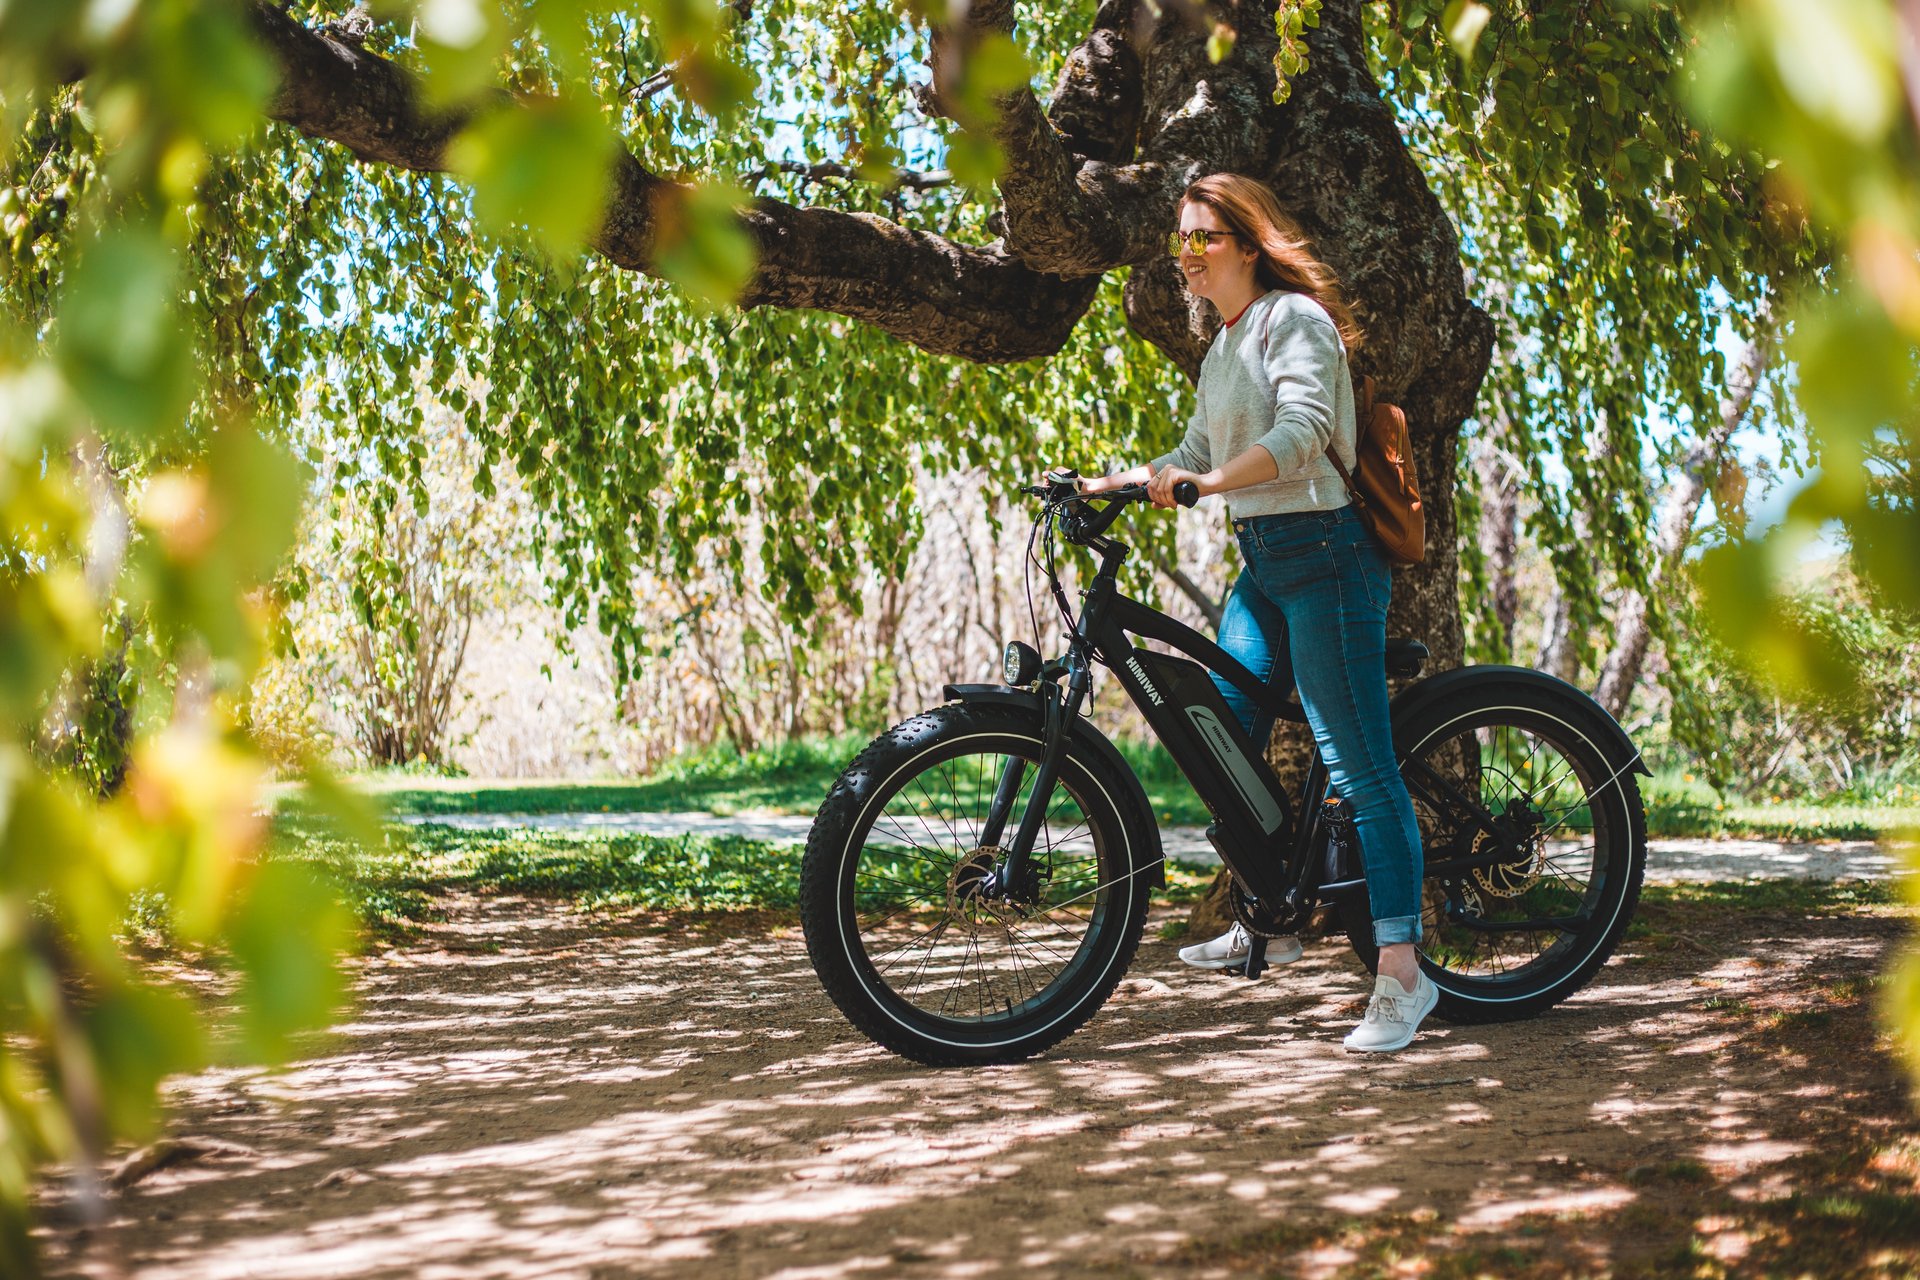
pixel 1231 949
pixel 1393 1015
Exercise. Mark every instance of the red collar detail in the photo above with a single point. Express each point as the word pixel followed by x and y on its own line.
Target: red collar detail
pixel 1239 313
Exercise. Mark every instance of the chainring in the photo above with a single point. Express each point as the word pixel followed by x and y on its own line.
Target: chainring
pixel 1257 918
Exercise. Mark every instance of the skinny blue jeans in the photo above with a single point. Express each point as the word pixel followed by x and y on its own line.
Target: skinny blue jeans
pixel 1316 582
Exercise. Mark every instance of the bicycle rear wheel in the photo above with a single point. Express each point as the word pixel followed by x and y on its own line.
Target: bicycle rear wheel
pixel 1514 778
pixel 897 895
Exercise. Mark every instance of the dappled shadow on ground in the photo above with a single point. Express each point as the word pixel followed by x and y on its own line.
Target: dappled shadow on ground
pixel 529 1093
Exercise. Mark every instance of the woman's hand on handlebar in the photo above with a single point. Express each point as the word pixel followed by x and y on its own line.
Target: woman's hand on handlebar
pixel 1091 485
pixel 1160 488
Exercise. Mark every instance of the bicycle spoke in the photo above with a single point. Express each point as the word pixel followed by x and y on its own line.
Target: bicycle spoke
pixel 1507 778
pixel 981 960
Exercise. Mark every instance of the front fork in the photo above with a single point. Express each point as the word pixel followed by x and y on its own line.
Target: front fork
pixel 1058 713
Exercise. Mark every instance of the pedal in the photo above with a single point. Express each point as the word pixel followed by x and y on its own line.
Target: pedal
pixel 1256 958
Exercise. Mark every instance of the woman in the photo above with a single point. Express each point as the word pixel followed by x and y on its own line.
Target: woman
pixel 1275 394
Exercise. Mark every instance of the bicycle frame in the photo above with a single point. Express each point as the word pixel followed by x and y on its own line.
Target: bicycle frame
pixel 1255 831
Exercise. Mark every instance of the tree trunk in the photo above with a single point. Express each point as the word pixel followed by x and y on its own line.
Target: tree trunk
pixel 1560 648
pixel 1633 622
pixel 1500 535
pixel 1558 655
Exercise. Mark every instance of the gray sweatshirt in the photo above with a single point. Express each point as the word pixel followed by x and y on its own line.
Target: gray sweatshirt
pixel 1277 377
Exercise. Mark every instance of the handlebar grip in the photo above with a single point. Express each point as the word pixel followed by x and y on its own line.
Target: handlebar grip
pixel 1186 493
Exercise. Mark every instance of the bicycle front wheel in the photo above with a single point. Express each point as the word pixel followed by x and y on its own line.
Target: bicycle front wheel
pixel 897 895
pixel 1535 844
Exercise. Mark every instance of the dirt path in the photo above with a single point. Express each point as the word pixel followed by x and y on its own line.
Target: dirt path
pixel 529 1093
pixel 1669 861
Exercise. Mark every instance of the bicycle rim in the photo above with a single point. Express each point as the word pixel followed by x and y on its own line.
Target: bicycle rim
pixel 1540 913
pixel 938 951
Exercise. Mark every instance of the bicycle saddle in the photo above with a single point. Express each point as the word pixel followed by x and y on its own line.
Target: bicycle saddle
pixel 1405 656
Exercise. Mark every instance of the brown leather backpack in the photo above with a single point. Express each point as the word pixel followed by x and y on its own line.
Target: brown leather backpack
pixel 1382 485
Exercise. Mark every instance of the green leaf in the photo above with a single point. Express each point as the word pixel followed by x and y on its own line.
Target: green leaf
pixel 290 978
pixel 1463 21
pixel 139 1036
pixel 718 84
pixel 1736 582
pixel 120 340
pixel 260 488
pixel 701 245
pixel 975 159
pixel 1220 42
pixel 996 65
pixel 1837 62
pixel 210 70
pixel 544 164
pixel 461 43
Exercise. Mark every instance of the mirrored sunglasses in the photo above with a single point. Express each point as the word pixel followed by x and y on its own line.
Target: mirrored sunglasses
pixel 1195 242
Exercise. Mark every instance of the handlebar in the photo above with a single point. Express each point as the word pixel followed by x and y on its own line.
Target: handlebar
pixel 1080 523
pixel 1064 485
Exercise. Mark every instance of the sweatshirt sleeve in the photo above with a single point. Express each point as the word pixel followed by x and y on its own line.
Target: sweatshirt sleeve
pixel 1194 453
pixel 1303 358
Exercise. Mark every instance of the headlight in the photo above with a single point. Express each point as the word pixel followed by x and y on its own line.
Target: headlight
pixel 1022 664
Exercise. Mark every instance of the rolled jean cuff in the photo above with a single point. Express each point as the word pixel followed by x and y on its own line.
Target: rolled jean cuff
pixel 1396 929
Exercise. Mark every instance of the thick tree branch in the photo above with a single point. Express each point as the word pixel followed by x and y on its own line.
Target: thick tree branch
pixel 1076 200
pixel 909 179
pixel 948 298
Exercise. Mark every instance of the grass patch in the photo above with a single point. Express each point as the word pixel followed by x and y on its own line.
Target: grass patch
pixel 1779 821
pixel 793 777
pixel 394 886
pixel 1681 805
pixel 1813 897
pixel 1187 882
pixel 682 873
pixel 1668 1172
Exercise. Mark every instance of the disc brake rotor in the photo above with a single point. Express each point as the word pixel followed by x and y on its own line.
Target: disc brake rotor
pixel 1510 879
pixel 977 900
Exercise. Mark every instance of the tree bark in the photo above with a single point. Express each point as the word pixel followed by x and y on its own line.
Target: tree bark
pixel 1560 649
pixel 1633 622
pixel 1500 535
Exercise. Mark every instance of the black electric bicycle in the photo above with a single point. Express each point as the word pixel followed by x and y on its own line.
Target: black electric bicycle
pixel 976 882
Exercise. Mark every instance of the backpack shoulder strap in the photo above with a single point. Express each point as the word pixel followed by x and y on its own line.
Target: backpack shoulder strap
pixel 1362 419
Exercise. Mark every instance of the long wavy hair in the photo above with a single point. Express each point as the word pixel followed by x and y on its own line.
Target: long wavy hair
pixel 1285 257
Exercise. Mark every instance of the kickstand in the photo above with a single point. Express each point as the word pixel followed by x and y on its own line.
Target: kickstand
pixel 1256 957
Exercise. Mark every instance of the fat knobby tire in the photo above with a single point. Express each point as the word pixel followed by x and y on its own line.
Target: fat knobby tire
pixel 1574 724
pixel 889 762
